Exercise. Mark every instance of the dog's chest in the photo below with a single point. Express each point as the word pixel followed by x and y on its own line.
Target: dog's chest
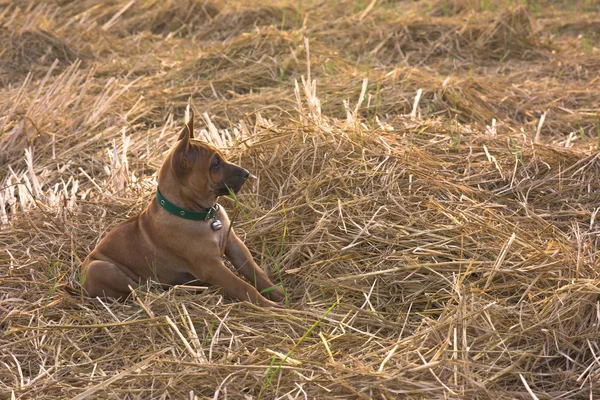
pixel 203 233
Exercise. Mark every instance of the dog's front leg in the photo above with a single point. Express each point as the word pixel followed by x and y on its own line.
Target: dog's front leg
pixel 221 276
pixel 239 255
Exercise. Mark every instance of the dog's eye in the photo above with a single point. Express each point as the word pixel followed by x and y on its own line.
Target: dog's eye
pixel 216 163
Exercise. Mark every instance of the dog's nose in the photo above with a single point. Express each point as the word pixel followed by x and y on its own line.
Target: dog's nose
pixel 245 174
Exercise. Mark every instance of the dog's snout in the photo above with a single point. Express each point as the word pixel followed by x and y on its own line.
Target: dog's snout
pixel 245 174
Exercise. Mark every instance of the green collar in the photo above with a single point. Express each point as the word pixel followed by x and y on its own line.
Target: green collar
pixel 182 212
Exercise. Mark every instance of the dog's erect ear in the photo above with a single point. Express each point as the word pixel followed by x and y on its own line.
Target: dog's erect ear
pixel 188 131
pixel 181 161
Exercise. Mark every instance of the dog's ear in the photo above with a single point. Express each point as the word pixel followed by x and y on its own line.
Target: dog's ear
pixel 181 156
pixel 188 130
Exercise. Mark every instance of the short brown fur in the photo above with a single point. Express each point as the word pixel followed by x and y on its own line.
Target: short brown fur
pixel 171 250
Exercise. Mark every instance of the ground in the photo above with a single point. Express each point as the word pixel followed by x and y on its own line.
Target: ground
pixel 427 189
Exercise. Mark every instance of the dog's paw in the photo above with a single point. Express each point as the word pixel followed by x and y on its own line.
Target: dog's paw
pixel 276 294
pixel 263 302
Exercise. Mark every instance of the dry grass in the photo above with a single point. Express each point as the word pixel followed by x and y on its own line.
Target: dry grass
pixel 430 205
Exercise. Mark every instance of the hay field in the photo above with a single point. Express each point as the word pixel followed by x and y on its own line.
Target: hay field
pixel 427 193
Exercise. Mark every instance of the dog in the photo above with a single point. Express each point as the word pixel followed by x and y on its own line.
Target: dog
pixel 179 237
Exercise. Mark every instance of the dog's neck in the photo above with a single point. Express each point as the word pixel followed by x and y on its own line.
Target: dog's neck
pixel 170 188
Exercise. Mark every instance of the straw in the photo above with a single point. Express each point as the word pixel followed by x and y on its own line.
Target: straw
pixel 434 176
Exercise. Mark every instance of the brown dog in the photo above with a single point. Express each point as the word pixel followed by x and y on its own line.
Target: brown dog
pixel 162 242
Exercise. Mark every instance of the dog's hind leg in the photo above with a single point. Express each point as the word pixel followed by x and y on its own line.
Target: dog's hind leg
pixel 105 279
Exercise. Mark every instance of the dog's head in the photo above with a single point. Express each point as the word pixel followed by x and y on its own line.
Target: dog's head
pixel 201 170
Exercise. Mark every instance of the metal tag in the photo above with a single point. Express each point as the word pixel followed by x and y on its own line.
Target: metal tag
pixel 216 225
